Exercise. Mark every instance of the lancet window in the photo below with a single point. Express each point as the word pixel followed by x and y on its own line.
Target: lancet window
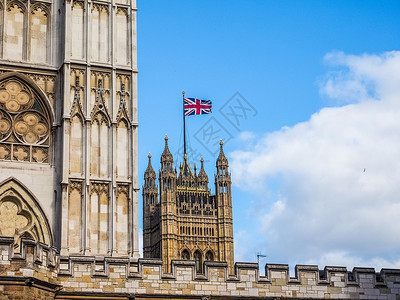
pixel 198 262
pixel 185 254
pixel 209 256
pixel 23 39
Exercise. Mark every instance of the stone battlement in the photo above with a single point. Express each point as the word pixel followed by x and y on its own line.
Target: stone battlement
pixel 40 266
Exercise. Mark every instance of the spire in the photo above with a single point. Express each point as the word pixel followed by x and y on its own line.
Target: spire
pixel 222 160
pixel 166 155
pixel 149 171
pixel 202 174
pixel 185 170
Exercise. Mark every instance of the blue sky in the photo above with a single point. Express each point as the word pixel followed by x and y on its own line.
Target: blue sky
pixel 314 76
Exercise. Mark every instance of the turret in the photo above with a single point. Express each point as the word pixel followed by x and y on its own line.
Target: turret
pixel 166 158
pixel 150 200
pixel 224 199
pixel 168 225
pixel 202 178
pixel 222 163
pixel 167 173
pixel 150 189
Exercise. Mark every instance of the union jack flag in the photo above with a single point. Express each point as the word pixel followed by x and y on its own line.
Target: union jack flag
pixel 195 106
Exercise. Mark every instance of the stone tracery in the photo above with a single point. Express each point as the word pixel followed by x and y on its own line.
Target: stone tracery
pixel 20 216
pixel 24 121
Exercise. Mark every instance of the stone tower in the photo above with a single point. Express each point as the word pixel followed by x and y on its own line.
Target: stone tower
pixel 186 221
pixel 68 125
pixel 224 200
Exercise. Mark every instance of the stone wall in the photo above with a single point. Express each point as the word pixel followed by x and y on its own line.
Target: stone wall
pixel 39 273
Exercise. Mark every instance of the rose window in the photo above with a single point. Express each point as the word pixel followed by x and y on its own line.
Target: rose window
pixel 24 123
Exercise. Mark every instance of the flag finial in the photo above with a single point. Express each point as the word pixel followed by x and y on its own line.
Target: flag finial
pixel 183 92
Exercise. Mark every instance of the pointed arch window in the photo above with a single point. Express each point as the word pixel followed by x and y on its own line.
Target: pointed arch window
pixel 39 33
pixel 76 144
pixel 209 255
pixel 15 40
pixel 25 124
pixel 122 145
pixel 76 130
pixel 198 262
pixel 185 254
pixel 21 216
pixel 26 31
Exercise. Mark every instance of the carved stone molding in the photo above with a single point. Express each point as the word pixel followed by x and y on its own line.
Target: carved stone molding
pixel 77 108
pixel 75 186
pixel 99 188
pixel 122 109
pixel 24 123
pixel 100 111
pixel 20 214
pixel 123 189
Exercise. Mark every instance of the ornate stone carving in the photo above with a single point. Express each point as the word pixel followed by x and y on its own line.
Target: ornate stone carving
pixel 40 154
pixel 123 10
pixel 5 151
pixel 75 186
pixel 76 108
pixel 44 7
pixel 99 188
pixel 20 215
pixel 15 97
pixel 31 128
pixel 18 4
pixel 100 7
pixel 12 219
pixel 123 189
pixel 21 153
pixel 81 4
pixel 100 112
pixel 24 121
pixel 5 125
pixel 122 110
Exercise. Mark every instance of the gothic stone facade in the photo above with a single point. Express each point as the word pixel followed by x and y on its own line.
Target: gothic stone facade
pixel 181 219
pixel 68 174
pixel 68 125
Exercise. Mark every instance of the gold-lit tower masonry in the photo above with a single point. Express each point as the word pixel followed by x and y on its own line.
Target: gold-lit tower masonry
pixel 186 221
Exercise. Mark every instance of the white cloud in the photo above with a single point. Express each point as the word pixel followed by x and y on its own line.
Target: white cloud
pixel 242 240
pixel 246 136
pixel 333 182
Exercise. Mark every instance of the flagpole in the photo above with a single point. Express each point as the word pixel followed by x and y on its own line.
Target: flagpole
pixel 184 123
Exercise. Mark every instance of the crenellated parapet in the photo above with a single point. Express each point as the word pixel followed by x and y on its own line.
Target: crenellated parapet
pixel 40 270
